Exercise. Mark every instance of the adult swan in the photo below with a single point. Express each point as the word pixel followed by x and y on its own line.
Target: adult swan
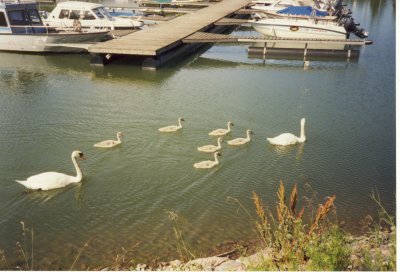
pixel 289 138
pixel 53 180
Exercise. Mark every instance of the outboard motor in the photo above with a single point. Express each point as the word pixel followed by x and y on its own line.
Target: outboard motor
pixel 350 26
pixel 360 32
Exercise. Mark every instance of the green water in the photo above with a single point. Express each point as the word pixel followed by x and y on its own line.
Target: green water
pixel 51 105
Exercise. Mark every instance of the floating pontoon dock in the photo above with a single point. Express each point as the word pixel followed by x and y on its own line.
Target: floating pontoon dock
pixel 155 42
pixel 183 35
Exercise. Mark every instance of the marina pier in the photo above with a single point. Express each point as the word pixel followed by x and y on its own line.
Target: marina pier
pixel 183 35
pixel 160 44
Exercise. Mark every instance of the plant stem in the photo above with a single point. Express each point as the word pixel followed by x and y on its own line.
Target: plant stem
pixel 79 254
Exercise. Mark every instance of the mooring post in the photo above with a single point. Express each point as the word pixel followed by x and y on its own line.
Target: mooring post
pixel 265 50
pixel 349 54
pixel 305 53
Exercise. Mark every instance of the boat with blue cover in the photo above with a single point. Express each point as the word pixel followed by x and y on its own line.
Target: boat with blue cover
pixel 306 22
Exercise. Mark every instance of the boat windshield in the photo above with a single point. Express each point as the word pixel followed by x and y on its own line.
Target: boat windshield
pixel 34 17
pixel 105 13
pixel 98 13
pixel 18 17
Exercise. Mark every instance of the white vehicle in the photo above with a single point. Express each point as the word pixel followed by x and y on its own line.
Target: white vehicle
pixel 89 15
pixel 22 30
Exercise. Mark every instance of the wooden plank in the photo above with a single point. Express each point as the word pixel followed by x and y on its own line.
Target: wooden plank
pixel 204 37
pixel 231 21
pixel 200 37
pixel 160 38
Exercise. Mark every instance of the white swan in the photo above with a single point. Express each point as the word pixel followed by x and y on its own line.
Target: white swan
pixel 172 128
pixel 110 143
pixel 221 131
pixel 241 141
pixel 289 138
pixel 53 180
pixel 208 164
pixel 211 148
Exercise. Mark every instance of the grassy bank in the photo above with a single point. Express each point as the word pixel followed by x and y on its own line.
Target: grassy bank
pixel 285 239
pixel 288 241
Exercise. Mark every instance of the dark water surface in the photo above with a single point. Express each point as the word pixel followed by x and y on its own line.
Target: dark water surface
pixel 54 104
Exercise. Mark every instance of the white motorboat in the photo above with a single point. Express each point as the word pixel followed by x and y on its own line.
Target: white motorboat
pixel 297 12
pixel 307 22
pixel 89 16
pixel 328 9
pixel 324 5
pixel 300 29
pixel 22 30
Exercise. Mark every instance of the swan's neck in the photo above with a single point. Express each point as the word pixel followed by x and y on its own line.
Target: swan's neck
pixel 119 138
pixel 302 132
pixel 78 177
pixel 216 158
pixel 179 122
pixel 229 126
pixel 248 135
pixel 219 142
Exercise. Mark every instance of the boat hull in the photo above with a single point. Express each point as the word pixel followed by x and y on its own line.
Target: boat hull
pixel 52 42
pixel 299 29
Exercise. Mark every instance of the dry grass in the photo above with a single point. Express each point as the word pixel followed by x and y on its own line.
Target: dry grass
pixel 286 234
pixel 322 212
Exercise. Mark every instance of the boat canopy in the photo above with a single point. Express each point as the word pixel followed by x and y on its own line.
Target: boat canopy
pixel 23 18
pixel 303 10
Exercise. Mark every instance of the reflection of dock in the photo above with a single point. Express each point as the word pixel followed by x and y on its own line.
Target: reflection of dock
pixel 156 44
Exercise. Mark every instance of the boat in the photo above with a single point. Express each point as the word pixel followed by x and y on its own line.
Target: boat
pixel 326 5
pixel 22 30
pixel 298 12
pixel 310 28
pixel 278 8
pixel 89 15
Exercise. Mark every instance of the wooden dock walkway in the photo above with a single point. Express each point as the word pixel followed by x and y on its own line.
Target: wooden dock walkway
pixel 159 39
pixel 203 37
